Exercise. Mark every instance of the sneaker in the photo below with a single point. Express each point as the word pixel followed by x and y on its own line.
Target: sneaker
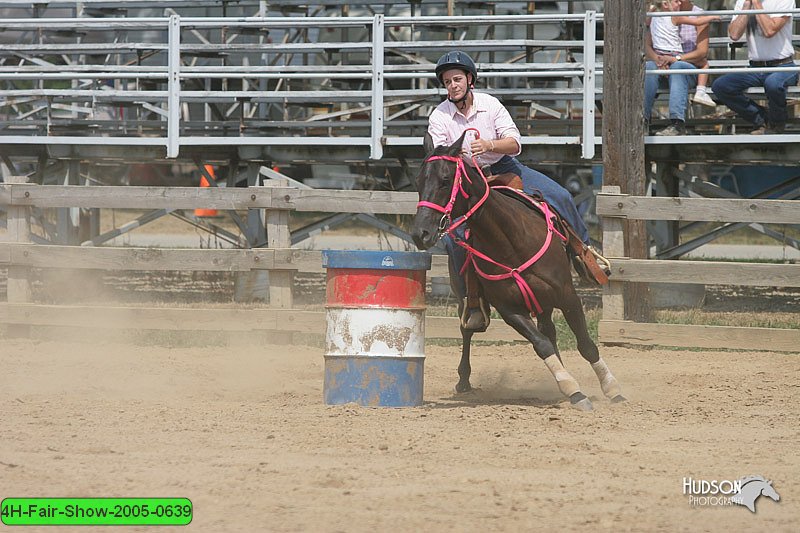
pixel 776 129
pixel 701 97
pixel 673 129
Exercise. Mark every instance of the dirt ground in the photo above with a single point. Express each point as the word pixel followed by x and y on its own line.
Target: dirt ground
pixel 241 430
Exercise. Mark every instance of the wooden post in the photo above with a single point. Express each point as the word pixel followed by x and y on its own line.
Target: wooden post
pixel 19 284
pixel 278 236
pixel 68 217
pixel 623 127
pixel 613 246
pixel 252 286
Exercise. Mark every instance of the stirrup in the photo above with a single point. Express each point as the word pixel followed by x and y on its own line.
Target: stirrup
pixel 475 318
pixel 580 268
pixel 598 266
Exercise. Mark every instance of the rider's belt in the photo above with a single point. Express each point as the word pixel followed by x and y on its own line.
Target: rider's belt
pixel 771 62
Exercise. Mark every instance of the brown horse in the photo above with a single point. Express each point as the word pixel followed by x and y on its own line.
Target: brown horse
pixel 505 234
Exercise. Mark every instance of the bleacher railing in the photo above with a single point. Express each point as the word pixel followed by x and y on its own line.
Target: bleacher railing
pixel 162 81
pixel 292 81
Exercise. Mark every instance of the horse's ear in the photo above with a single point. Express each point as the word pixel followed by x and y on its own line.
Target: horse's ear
pixel 427 143
pixel 456 147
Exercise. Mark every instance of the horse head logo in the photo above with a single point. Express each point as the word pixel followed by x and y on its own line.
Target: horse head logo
pixel 752 488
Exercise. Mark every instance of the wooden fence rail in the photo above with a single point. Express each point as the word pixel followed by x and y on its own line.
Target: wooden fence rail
pixel 615 207
pixel 19 255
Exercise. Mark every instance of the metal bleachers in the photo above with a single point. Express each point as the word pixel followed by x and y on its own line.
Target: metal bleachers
pixel 292 81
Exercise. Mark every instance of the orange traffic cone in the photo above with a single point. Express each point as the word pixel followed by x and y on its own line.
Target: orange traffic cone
pixel 204 183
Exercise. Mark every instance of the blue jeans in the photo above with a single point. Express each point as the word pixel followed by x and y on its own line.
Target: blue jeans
pixel 679 85
pixel 532 182
pixel 730 88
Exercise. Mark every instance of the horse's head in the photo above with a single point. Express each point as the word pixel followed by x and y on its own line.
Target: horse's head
pixel 769 491
pixel 435 183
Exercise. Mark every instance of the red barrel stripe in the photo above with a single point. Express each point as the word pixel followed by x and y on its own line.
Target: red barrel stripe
pixel 376 288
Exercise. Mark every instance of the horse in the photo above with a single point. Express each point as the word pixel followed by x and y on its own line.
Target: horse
pixel 752 488
pixel 522 270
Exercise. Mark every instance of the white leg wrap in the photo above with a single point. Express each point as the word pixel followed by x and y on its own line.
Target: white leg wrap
pixel 566 383
pixel 608 382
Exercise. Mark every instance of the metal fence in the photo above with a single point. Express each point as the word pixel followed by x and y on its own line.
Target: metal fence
pixel 290 81
pixel 336 81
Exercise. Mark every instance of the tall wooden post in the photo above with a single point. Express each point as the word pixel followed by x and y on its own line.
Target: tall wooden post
pixel 18 289
pixel 623 126
pixel 279 236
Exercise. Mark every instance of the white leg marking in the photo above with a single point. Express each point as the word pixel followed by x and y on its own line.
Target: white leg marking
pixel 608 382
pixel 566 383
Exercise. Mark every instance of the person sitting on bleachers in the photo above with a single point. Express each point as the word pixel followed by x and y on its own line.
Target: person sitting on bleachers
pixel 666 49
pixel 769 44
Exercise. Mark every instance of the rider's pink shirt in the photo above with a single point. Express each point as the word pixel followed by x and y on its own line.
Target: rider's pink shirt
pixel 487 115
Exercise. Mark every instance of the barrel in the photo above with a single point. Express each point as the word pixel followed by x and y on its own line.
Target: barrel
pixel 375 327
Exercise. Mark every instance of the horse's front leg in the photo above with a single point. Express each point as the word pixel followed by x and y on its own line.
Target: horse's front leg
pixel 568 385
pixel 464 369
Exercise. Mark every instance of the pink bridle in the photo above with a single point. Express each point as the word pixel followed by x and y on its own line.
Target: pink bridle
pixel 446 226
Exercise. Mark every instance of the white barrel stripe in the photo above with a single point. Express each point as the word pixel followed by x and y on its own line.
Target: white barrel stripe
pixel 375 332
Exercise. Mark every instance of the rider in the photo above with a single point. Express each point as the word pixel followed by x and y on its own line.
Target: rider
pixel 496 149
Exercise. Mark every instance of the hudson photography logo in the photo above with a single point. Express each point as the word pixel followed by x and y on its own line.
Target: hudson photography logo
pixel 726 492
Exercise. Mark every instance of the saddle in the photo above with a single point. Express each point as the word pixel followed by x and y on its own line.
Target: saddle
pixel 507 179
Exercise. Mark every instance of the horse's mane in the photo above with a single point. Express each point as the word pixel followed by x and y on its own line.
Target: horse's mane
pixel 745 480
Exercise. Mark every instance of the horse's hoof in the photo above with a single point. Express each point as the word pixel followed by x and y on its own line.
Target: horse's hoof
pixel 463 387
pixel 580 402
pixel 619 398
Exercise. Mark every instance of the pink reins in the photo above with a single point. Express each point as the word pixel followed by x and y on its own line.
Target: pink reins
pixel 446 226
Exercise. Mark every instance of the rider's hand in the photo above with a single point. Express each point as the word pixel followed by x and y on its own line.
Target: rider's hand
pixel 480 146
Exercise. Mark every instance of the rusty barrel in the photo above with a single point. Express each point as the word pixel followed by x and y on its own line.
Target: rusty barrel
pixel 375 336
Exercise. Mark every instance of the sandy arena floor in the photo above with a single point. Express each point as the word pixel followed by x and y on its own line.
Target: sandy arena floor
pixel 242 432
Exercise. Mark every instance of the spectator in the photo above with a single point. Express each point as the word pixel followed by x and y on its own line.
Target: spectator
pixel 694 41
pixel 769 44
pixel 668 48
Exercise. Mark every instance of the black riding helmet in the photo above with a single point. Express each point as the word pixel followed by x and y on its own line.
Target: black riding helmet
pixel 456 59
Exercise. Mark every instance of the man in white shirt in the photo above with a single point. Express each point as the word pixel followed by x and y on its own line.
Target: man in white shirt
pixel 769 44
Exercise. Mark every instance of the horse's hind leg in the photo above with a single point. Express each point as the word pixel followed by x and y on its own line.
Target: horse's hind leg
pixel 573 313
pixel 464 368
pixel 545 349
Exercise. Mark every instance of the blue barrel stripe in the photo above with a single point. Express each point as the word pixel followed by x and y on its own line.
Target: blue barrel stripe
pixel 374 381
pixel 376 259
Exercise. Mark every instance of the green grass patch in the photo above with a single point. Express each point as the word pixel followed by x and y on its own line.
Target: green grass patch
pixel 778 320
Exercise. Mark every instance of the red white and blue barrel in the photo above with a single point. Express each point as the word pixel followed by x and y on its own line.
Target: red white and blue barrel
pixel 375 337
